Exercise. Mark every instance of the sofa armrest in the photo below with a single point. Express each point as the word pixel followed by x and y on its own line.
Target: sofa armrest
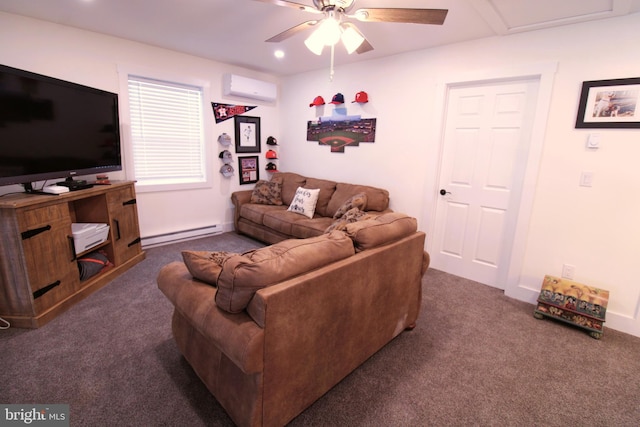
pixel 426 260
pixel 239 198
pixel 236 335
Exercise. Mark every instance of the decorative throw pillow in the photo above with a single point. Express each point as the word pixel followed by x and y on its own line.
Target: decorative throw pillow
pixel 205 265
pixel 304 201
pixel 356 201
pixel 352 215
pixel 267 192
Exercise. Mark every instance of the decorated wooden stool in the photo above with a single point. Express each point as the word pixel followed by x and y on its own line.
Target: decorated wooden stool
pixel 574 303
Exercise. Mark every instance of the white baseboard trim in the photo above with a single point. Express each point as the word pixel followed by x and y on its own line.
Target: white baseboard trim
pixel 178 236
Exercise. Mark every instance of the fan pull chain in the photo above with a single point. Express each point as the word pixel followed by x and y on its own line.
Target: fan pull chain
pixel 333 47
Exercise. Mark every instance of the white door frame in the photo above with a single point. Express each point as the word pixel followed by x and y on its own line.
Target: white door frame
pixel 509 276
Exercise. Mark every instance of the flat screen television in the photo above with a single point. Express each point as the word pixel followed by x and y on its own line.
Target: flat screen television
pixel 54 129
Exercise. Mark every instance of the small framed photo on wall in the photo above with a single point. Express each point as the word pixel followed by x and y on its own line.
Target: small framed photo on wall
pixel 609 104
pixel 249 172
pixel 247 134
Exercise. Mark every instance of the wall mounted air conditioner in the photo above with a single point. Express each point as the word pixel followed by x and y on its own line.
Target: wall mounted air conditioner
pixel 248 88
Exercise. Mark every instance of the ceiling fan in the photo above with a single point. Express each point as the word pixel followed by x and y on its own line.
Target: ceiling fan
pixel 333 27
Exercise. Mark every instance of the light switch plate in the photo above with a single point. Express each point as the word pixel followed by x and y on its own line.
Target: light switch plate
pixel 593 141
pixel 586 179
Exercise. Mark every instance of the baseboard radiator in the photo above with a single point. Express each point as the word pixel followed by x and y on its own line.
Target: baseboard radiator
pixel 178 236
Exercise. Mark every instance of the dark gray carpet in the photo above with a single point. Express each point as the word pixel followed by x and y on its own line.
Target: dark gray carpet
pixel 475 358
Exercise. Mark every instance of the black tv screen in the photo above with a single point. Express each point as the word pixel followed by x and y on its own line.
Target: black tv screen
pixel 53 129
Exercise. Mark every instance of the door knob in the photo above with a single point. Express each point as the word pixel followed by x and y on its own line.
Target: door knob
pixel 444 192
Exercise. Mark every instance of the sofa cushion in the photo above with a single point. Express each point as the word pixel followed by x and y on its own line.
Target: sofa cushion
pixel 267 192
pixel 304 201
pixel 243 275
pixel 290 183
pixel 255 212
pixel 295 225
pixel 377 198
pixel 281 220
pixel 327 188
pixel 356 201
pixel 381 230
pixel 206 265
pixel 306 227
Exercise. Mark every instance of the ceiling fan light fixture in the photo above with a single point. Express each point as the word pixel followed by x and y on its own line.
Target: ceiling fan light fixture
pixel 351 38
pixel 315 43
pixel 330 31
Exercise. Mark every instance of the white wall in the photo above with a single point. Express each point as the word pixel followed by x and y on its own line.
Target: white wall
pixel 596 229
pixel 94 59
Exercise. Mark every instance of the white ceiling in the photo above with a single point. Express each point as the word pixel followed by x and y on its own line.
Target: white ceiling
pixel 233 31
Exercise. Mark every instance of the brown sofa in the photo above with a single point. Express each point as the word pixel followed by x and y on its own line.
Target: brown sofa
pixel 272 222
pixel 285 323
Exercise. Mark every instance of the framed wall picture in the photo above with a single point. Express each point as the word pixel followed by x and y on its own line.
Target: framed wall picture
pixel 609 104
pixel 249 172
pixel 247 134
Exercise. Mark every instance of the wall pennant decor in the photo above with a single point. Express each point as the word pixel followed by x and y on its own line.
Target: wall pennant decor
pixel 224 112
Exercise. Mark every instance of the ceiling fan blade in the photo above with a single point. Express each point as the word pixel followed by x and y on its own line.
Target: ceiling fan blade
pixel 291 5
pixel 364 47
pixel 292 31
pixel 411 16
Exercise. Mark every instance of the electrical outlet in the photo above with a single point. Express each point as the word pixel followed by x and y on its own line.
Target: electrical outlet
pixel 568 271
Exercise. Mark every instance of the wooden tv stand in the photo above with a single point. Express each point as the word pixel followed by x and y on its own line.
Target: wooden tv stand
pixel 39 275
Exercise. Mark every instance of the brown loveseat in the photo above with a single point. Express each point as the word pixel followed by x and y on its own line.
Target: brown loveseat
pixel 270 331
pixel 270 221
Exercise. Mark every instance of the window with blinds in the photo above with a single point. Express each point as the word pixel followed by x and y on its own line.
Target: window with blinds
pixel 167 132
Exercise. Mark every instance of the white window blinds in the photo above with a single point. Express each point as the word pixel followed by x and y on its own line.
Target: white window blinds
pixel 166 131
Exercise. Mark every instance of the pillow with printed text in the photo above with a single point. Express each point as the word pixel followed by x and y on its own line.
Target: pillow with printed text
pixel 304 201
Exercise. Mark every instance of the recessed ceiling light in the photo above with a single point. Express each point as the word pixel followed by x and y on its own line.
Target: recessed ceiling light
pixel 279 54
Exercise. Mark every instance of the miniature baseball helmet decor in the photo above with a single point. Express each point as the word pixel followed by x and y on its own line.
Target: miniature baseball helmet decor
pixel 271 167
pixel 361 97
pixel 226 170
pixel 272 141
pixel 271 154
pixel 338 98
pixel 226 156
pixel 224 139
pixel 318 100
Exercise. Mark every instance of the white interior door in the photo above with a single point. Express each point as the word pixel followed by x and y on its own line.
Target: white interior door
pixel 486 139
